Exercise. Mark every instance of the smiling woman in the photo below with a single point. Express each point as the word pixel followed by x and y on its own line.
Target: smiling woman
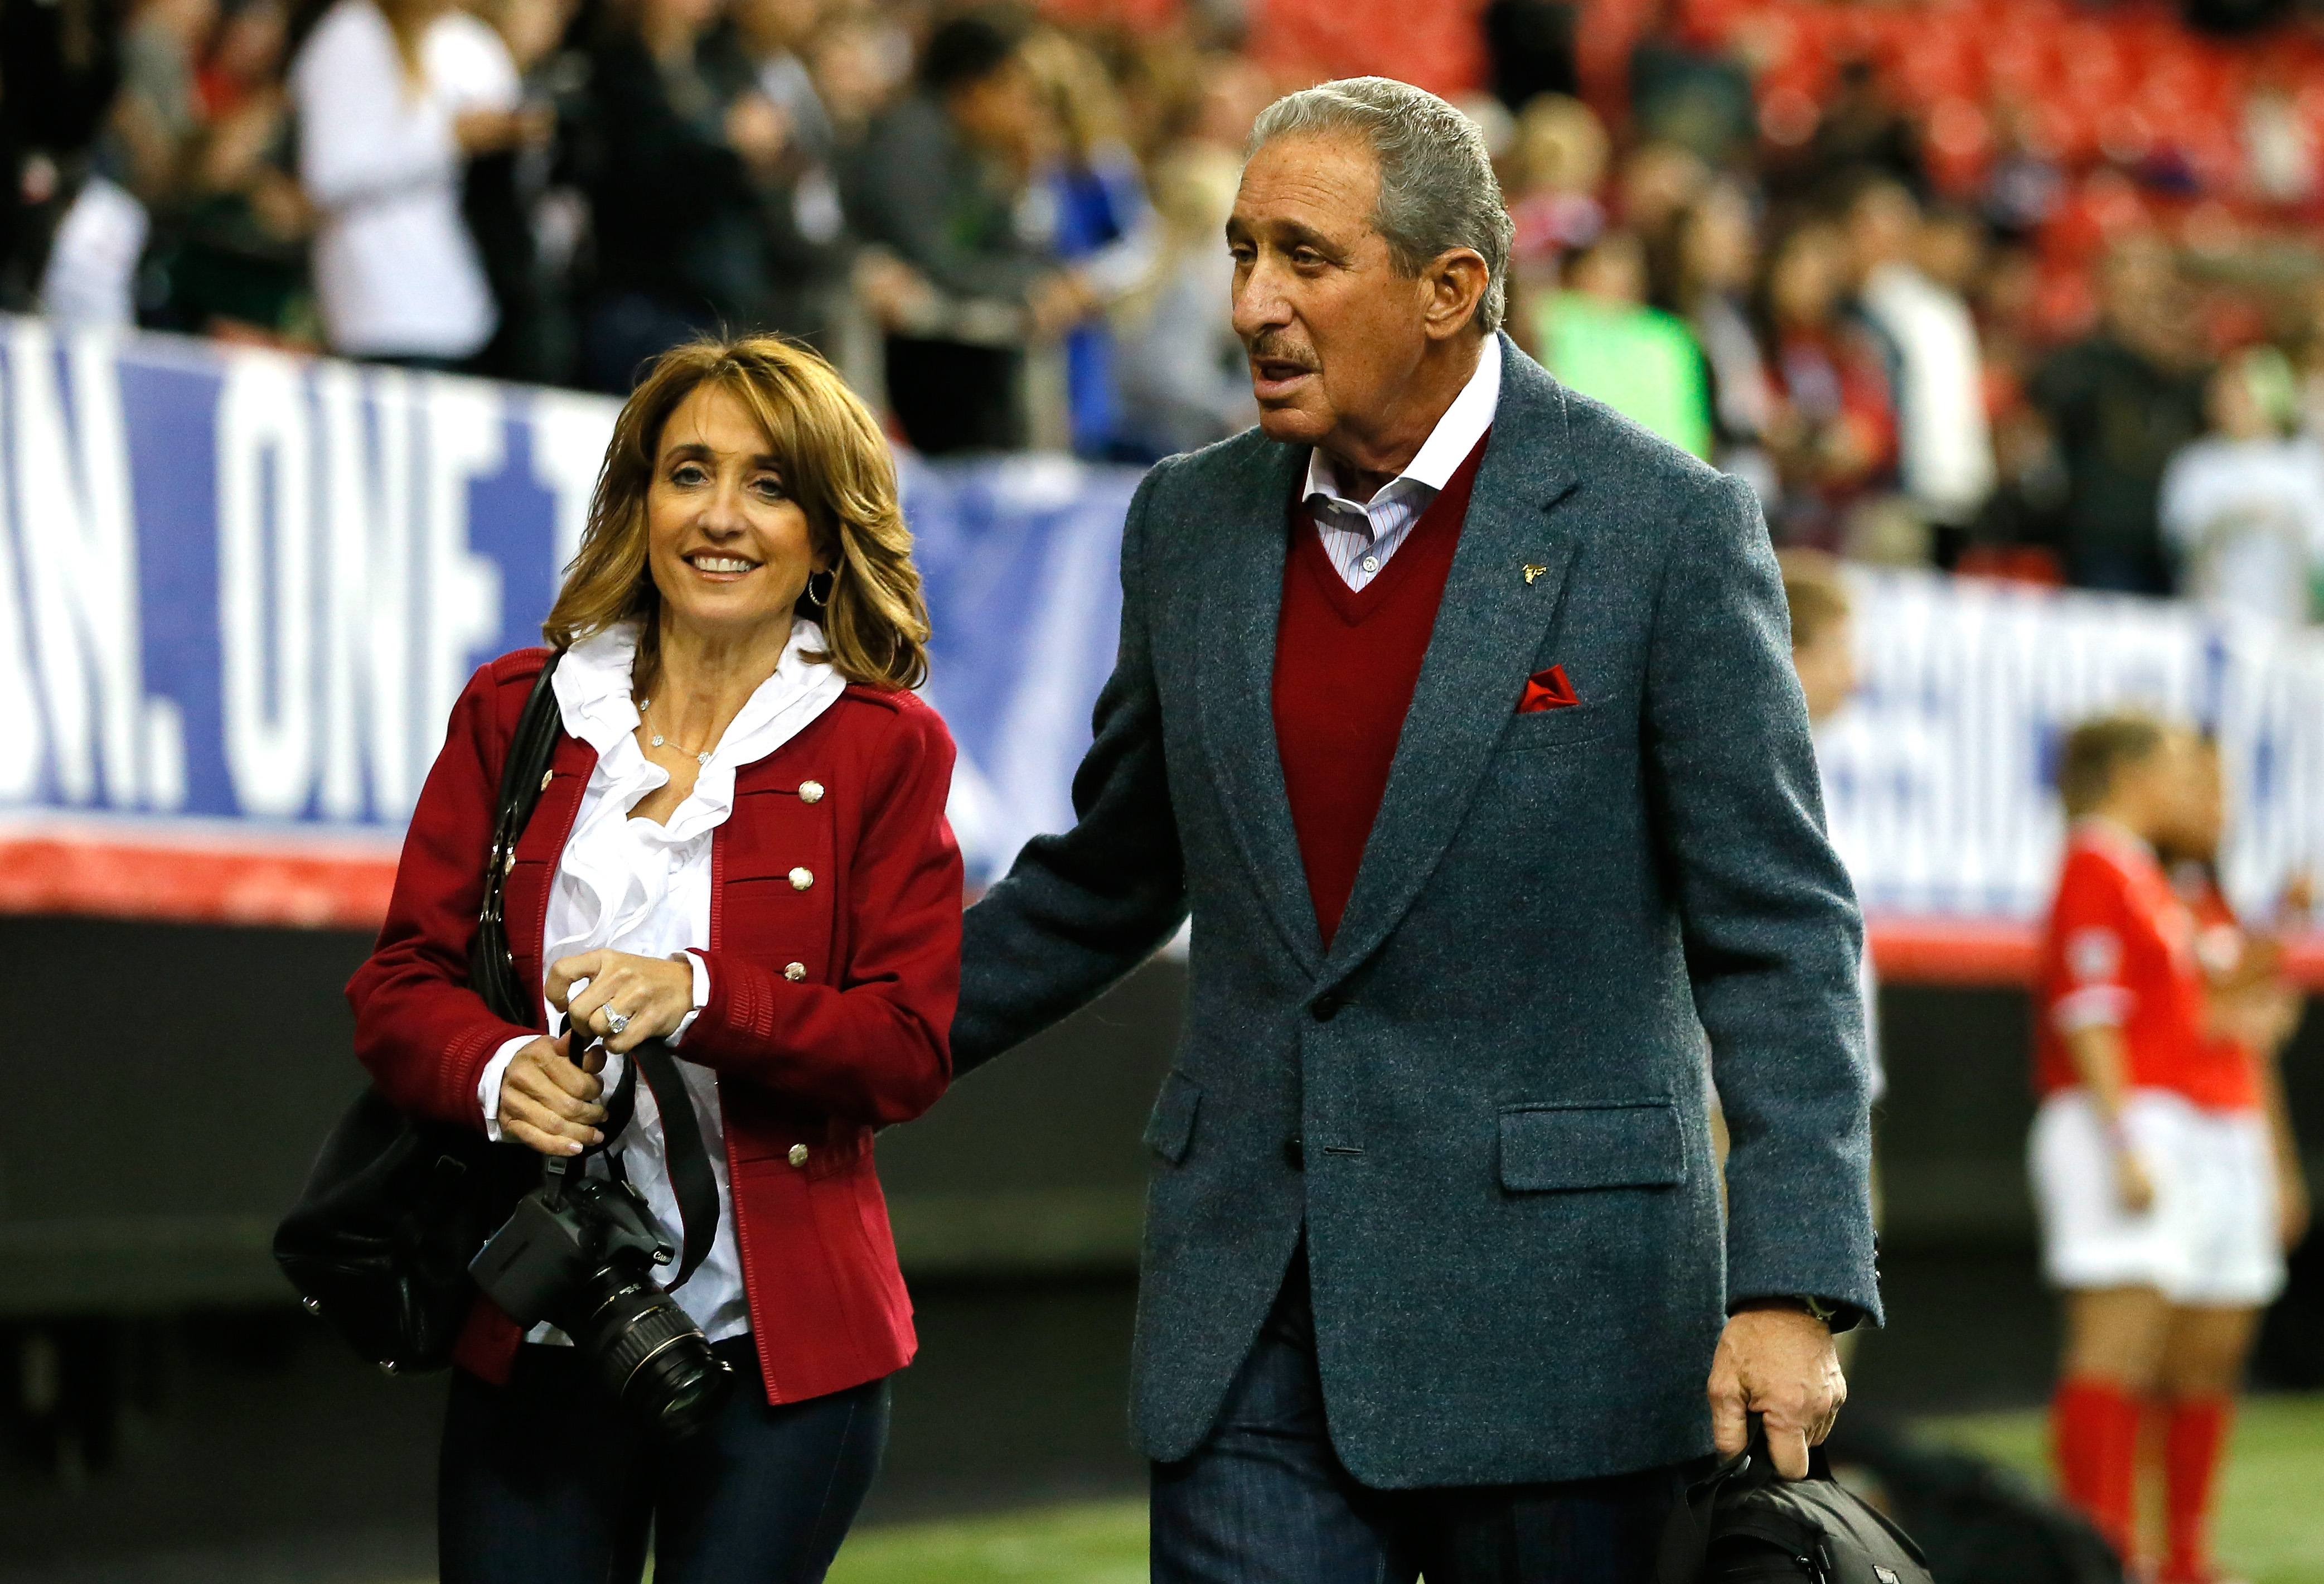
pixel 739 858
pixel 817 446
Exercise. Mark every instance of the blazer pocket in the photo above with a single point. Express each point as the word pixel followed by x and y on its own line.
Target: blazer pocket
pixel 1549 1148
pixel 1554 729
pixel 1170 1130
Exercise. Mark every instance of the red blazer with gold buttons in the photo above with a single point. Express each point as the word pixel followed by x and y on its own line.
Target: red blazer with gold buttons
pixel 830 1004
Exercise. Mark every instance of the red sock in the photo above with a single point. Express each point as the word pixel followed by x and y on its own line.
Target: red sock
pixel 2193 1438
pixel 2094 1427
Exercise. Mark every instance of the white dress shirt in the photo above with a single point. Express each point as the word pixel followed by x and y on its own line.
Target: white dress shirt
pixel 1359 536
pixel 636 886
pixel 396 271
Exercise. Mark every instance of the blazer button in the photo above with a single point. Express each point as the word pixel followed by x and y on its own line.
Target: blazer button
pixel 1327 1007
pixel 798 1155
pixel 1294 1154
pixel 810 791
pixel 802 878
pixel 794 971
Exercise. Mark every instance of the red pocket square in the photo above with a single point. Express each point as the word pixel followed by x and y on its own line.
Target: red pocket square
pixel 1547 690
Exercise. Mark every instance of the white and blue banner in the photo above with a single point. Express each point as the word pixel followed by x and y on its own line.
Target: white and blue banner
pixel 239 591
pixel 1938 774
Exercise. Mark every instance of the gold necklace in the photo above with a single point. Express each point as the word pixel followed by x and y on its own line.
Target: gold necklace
pixel 703 758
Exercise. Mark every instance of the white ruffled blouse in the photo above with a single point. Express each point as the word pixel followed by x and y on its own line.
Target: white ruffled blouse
pixel 632 886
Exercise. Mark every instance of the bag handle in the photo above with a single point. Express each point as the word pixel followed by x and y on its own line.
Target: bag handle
pixel 1686 1532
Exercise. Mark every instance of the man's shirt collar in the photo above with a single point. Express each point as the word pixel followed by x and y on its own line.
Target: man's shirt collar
pixel 1448 445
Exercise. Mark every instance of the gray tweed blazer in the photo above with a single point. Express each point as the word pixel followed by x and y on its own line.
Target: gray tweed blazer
pixel 1498 1070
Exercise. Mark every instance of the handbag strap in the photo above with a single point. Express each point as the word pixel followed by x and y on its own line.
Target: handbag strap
pixel 492 964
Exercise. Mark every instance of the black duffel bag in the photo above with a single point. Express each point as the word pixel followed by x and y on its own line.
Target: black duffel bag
pixel 1744 1524
pixel 394 1209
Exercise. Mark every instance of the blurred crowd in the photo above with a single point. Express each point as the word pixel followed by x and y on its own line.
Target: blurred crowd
pixel 2019 287
pixel 556 190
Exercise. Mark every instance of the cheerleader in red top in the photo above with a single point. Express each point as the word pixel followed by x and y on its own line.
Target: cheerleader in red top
pixel 2151 1155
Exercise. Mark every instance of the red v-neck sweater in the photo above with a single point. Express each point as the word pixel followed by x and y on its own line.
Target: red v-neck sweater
pixel 1346 662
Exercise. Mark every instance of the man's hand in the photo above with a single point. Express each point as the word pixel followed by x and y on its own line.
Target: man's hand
pixel 1777 1360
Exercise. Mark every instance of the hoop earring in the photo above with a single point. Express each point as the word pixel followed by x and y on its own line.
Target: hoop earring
pixel 830 587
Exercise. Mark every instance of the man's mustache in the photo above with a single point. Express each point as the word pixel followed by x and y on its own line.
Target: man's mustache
pixel 1273 348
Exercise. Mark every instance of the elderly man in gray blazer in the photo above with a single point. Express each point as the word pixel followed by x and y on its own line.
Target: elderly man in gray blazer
pixel 1457 710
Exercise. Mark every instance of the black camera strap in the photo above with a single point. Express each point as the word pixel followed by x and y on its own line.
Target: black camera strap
pixel 683 1152
pixel 684 1157
pixel 492 971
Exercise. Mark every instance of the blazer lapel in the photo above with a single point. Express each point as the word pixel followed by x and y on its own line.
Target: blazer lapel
pixel 1243 609
pixel 1491 624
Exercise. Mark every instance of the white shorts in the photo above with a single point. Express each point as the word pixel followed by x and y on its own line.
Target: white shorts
pixel 2209 1239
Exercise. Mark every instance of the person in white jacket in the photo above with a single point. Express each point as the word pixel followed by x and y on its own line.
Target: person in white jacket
pixel 393 98
pixel 1944 438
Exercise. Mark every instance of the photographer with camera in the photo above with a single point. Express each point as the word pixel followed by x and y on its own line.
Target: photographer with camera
pixel 738 858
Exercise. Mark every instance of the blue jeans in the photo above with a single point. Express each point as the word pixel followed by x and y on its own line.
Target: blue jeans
pixel 543 1480
pixel 1265 1500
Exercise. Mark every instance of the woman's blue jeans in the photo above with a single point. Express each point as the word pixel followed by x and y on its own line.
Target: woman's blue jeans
pixel 542 1480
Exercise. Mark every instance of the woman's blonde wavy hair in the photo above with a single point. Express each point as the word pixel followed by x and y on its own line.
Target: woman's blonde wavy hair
pixel 835 463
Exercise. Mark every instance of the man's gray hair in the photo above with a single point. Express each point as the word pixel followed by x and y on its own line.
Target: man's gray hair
pixel 1437 189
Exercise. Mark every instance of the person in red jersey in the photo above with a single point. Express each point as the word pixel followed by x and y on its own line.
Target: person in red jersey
pixel 2245 1166
pixel 2150 1154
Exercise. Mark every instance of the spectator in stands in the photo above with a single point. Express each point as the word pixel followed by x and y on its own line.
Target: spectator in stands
pixel 939 182
pixel 239 269
pixel 139 171
pixel 2119 405
pixel 1704 260
pixel 1092 193
pixel 681 150
pixel 1944 443
pixel 392 100
pixel 2243 508
pixel 504 199
pixel 63 63
pixel 1599 337
pixel 1561 158
pixel 859 62
pixel 156 125
pixel 1185 379
pixel 1830 431
pixel 807 243
pixel 1656 181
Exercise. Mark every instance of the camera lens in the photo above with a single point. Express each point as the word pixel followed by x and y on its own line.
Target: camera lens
pixel 652 1357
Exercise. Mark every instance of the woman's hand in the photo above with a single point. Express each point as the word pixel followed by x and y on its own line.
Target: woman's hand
pixel 546 1103
pixel 653 993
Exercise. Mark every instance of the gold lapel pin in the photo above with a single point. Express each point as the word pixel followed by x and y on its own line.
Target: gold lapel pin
pixel 1531 572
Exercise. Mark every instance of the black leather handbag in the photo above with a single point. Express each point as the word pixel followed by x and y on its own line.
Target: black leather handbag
pixel 1743 1523
pixel 393 1210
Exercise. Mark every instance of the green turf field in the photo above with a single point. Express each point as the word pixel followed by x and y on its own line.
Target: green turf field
pixel 2270 1518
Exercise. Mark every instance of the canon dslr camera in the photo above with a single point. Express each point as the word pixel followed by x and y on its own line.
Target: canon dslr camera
pixel 580 1253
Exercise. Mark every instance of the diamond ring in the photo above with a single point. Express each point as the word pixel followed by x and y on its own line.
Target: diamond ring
pixel 615 1022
